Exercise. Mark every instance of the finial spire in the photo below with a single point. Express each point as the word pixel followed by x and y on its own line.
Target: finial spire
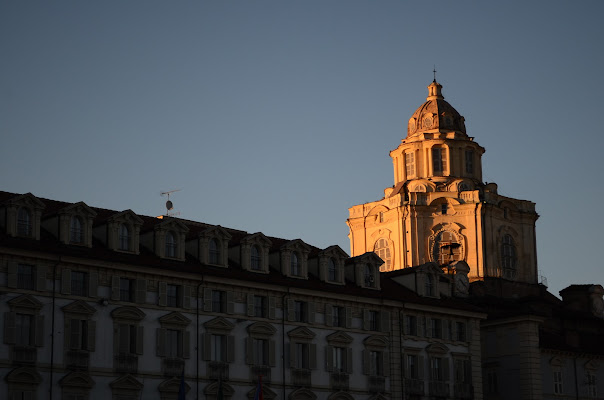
pixel 434 70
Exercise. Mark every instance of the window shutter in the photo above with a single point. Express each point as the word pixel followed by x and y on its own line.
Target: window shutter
pixel 66 281
pixel 311 312
pixel 406 328
pixel 349 360
pixel 366 368
pixel 250 305
pixel 420 367
pixel 162 288
pixel 12 274
pixel 115 287
pixel 206 340
pixel 468 328
pixel 139 340
pixel 207 299
pixel 312 356
pixel 186 344
pixel 407 367
pixel 230 348
pixel 10 328
pixel 271 307
pixel 39 330
pixel 348 317
pixel 419 321
pixel 386 361
pixel 161 342
pixel 249 350
pixel 385 321
pixel 271 353
pixel 186 297
pixel 93 284
pixel 67 335
pixel 75 333
pixel 230 303
pixel 329 358
pixel 328 315
pixel 292 354
pixel 445 369
pixel 141 291
pixel 123 336
pixel 291 315
pixel 453 328
pixel 366 320
pixel 41 278
pixel 91 335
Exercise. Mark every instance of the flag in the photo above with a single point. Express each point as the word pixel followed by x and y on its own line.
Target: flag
pixel 181 389
pixel 258 395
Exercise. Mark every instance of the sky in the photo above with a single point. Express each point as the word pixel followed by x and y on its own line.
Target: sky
pixel 277 116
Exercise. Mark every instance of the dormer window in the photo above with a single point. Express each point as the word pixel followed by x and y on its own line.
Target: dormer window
pixel 255 258
pixel 294 264
pixel 214 251
pixel 124 238
pixel 332 271
pixel 170 245
pixel 429 285
pixel 369 276
pixel 76 232
pixel 24 222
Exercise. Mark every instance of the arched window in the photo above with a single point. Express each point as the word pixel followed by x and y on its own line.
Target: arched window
pixel 369 278
pixel 255 258
pixel 214 252
pixel 124 237
pixel 332 271
pixel 24 227
pixel 382 249
pixel 508 257
pixel 447 248
pixel 429 281
pixel 170 245
pixel 439 161
pixel 295 265
pixel 76 231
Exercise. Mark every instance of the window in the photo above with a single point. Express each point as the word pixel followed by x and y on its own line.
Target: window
pixel 339 359
pixel 339 316
pixel 447 248
pixel 429 283
pixel 25 277
pixel 260 306
pixel 24 223
pixel 374 320
pixel 376 363
pixel 508 257
pixel 492 383
pixel 173 343
pixel 170 245
pixel 382 249
pixel 412 366
pixel 255 258
pixel 558 382
pixel 411 325
pixel 172 295
pixel 368 275
pixel 24 331
pixel 124 237
pixel 79 334
pixel 126 289
pixel 300 311
pixel 332 271
pixel 76 232
pixel 79 283
pixel 218 301
pixel 301 356
pixel 460 331
pixel 214 252
pixel 469 162
pixel 463 371
pixel 592 388
pixel 295 265
pixel 218 348
pixel 436 328
pixel 443 209
pixel 436 369
pixel 439 160
pixel 260 348
pixel 260 352
pixel 410 164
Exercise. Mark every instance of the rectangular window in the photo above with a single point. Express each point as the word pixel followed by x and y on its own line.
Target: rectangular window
pixel 300 311
pixel 218 346
pixel 25 277
pixel 439 160
pixel 592 388
pixel 79 334
pixel 172 295
pixel 339 359
pixel 260 348
pixel 436 368
pixel 374 320
pixel 339 316
pixel 412 366
pixel 376 363
pixel 79 283
pixel 218 301
pixel 126 289
pixel 302 354
pixel 469 162
pixel 173 343
pixel 410 164
pixel 260 306
pixel 460 328
pixel 462 371
pixel 24 329
pixel 492 384
pixel 436 328
pixel 558 382
pixel 411 325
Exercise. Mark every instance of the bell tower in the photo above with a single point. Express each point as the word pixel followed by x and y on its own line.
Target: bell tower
pixel 439 210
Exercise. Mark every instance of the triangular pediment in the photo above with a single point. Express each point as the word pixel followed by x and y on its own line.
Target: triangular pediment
pixel 257 238
pixel 378 396
pixel 25 375
pixel 129 313
pixel 262 328
pixel 26 200
pixel 339 337
pixel 127 382
pixel 216 232
pixel 340 396
pixel 78 307
pixel 172 386
pixel 126 216
pixel 77 379
pixel 219 324
pixel 592 365
pixel 302 394
pixel 174 318
pixel 79 208
pixel 212 388
pixel 25 302
pixel 267 393
pixel 301 332
pixel 366 258
pixel 429 268
pixel 296 245
pixel 333 251
pixel 376 341
pixel 171 224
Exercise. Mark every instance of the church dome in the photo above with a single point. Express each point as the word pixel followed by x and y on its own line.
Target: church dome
pixel 435 115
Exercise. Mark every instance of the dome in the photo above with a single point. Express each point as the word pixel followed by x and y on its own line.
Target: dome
pixel 435 115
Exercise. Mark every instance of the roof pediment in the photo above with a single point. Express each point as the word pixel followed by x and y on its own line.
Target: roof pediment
pixel 215 231
pixel 219 324
pixel 80 208
pixel 174 318
pixel 25 301
pixel 127 216
pixel 28 200
pixel 167 224
pixel 257 238
pixel 78 307
pixel 333 251
pixel 129 313
pixel 301 332
pixel 296 245
pixel 366 258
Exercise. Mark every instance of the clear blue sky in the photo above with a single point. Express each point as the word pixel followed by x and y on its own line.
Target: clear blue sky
pixel 276 116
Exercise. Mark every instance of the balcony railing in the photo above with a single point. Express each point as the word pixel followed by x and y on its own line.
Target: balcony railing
pixel 377 384
pixel 414 386
pixel 339 380
pixel 258 370
pixel 300 377
pixel 463 391
pixel 219 370
pixel 173 366
pixel 439 389
pixel 24 354
pixel 77 359
pixel 126 363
